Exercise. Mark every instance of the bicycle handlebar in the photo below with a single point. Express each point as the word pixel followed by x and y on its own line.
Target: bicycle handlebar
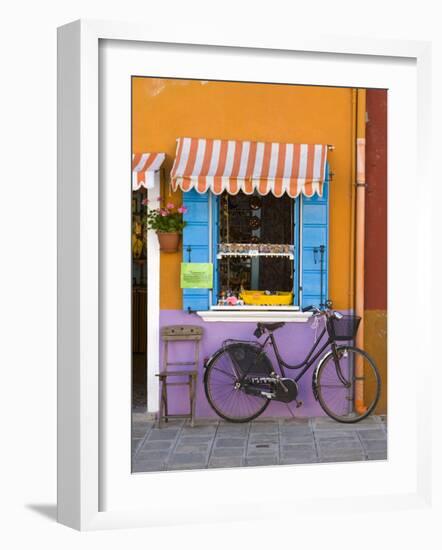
pixel 315 310
pixel 327 311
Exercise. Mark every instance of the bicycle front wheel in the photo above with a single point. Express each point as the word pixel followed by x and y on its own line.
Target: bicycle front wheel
pixel 223 388
pixel 348 386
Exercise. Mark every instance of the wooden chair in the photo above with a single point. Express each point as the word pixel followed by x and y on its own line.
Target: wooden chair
pixel 179 333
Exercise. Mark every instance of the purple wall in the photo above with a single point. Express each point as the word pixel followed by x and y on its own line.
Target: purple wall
pixel 294 340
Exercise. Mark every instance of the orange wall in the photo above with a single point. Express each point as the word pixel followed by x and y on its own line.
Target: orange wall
pixel 164 109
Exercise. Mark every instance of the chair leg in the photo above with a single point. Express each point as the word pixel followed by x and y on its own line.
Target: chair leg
pixel 192 400
pixel 164 391
pixel 163 404
pixel 160 416
pixel 166 404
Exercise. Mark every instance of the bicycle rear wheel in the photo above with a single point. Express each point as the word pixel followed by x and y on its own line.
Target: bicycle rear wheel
pixel 222 385
pixel 348 390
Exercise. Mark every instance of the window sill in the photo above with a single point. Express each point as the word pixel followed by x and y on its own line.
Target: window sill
pixel 249 314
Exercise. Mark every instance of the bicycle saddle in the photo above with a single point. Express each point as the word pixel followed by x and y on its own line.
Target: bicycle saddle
pixel 270 326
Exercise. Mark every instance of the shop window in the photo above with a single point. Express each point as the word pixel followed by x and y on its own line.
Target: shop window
pixel 296 229
pixel 256 249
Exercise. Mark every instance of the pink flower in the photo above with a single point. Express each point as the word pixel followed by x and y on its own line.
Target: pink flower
pixel 159 198
pixel 164 213
pixel 182 209
pixel 170 205
pixel 144 202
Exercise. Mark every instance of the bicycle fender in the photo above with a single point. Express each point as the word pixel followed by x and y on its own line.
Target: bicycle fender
pixel 316 371
pixel 207 362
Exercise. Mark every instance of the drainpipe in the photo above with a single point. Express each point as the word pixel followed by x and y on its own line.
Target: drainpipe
pixel 351 293
pixel 360 243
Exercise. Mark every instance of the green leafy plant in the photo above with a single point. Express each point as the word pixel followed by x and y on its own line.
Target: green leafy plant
pixel 165 220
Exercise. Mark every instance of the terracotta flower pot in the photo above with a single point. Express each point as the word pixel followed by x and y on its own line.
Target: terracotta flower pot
pixel 169 242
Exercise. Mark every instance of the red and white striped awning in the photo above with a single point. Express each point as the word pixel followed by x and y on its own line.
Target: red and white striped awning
pixel 144 165
pixel 225 165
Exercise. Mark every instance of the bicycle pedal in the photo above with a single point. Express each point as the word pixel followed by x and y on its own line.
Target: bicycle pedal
pixel 299 404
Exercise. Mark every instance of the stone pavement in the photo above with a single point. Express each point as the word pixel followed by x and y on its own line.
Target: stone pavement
pixel 219 444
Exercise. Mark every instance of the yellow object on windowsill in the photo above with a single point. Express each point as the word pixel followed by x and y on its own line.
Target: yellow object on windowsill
pixel 260 298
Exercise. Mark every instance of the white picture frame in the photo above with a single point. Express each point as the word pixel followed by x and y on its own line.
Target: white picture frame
pixel 83 448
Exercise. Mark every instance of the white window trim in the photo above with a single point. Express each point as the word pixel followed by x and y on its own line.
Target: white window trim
pixel 250 314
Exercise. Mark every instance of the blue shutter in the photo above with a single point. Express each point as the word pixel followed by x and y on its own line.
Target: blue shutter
pixel 196 238
pixel 215 238
pixel 315 221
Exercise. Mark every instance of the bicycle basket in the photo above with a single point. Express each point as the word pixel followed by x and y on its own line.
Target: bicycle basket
pixel 345 328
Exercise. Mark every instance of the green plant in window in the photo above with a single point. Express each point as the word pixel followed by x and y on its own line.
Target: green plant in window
pixel 165 220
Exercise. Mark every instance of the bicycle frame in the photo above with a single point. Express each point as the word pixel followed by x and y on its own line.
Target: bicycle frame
pixel 310 358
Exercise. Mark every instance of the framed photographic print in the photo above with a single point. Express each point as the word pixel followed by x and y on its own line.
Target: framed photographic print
pixel 237 276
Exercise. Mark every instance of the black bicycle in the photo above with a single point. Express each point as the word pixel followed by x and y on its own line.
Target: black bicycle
pixel 240 380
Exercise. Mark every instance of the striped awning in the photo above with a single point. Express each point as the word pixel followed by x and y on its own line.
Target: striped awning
pixel 144 165
pixel 225 165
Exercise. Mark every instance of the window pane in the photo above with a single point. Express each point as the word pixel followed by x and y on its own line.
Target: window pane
pixel 256 220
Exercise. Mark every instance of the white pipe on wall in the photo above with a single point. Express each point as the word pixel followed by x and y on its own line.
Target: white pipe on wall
pixel 360 245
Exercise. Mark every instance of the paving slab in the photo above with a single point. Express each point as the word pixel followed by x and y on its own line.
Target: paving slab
pixel 294 450
pixel 156 445
pixel 229 442
pixel 298 459
pixel 144 456
pixel 264 438
pixel 344 443
pixel 264 427
pixel 295 431
pixel 377 455
pixel 156 435
pixel 141 466
pixel 265 460
pixel 294 421
pixel 333 453
pixel 188 459
pixel 297 440
pixel 324 423
pixel 183 447
pixel 375 444
pixel 184 467
pixel 196 439
pixel 366 435
pixel 330 435
pixel 171 424
pixel 336 450
pixel 219 444
pixel 187 465
pixel 227 452
pixel 233 429
pixel 140 430
pixel 343 458
pixel 226 462
pixel 258 449
pixel 199 430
